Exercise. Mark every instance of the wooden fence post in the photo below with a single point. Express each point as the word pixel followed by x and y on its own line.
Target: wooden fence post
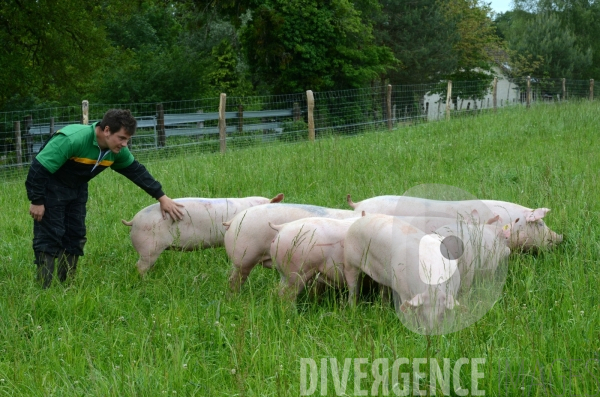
pixel 448 99
pixel 222 124
pixel 528 97
pixel 28 138
pixel 50 132
pixel 389 106
pixel 263 120
pixel 310 102
pixel 18 148
pixel 564 89
pixel 296 111
pixel 591 89
pixel 240 116
pixel 85 111
pixel 200 124
pixel 495 94
pixel 160 125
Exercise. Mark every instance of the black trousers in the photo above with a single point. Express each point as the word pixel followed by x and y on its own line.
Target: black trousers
pixel 62 229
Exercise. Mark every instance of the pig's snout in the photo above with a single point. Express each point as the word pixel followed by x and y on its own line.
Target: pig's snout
pixel 556 239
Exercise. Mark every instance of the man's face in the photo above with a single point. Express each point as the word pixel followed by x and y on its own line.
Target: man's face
pixel 116 141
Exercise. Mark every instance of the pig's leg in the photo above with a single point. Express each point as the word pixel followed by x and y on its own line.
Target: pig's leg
pixel 268 263
pixel 386 295
pixel 317 289
pixel 296 283
pixel 287 290
pixel 242 270
pixel 237 278
pixel 351 275
pixel 240 274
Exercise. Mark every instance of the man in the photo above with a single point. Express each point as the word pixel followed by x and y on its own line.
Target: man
pixel 57 186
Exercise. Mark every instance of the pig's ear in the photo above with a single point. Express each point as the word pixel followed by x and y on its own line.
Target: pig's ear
pixel 412 303
pixel 350 202
pixel 494 220
pixel 277 198
pixel 451 302
pixel 227 224
pixel 537 214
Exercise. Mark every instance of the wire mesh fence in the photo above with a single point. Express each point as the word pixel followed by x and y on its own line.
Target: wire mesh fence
pixel 217 124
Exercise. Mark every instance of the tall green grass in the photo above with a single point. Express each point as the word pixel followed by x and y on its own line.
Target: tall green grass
pixel 179 331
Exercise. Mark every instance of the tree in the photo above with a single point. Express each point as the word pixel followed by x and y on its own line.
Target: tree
pixel 152 57
pixel 226 75
pixel 474 48
pixel 420 37
pixel 295 45
pixel 477 38
pixel 582 19
pixel 578 24
pixel 48 48
pixel 545 37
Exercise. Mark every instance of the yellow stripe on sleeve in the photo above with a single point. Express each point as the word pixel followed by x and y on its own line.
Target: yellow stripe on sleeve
pixel 83 160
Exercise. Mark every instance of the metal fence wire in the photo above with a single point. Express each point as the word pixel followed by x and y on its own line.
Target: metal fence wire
pixel 194 126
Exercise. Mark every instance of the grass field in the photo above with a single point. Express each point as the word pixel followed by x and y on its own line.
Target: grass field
pixel 179 331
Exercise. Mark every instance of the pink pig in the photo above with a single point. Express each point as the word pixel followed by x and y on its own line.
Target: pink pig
pixel 307 248
pixel 488 241
pixel 248 235
pixel 399 255
pixel 527 229
pixel 387 249
pixel 201 227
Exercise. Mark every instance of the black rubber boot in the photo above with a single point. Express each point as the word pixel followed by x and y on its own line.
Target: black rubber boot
pixel 67 264
pixel 45 268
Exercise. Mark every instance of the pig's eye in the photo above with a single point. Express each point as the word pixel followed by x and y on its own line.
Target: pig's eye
pixel 541 223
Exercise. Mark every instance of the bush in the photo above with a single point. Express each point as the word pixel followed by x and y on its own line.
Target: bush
pixel 294 131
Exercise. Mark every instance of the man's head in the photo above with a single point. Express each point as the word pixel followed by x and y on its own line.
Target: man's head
pixel 115 119
pixel 115 129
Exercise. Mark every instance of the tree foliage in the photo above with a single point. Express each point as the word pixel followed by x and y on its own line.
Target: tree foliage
pixel 477 38
pixel 149 60
pixel 226 74
pixel 119 51
pixel 48 48
pixel 295 45
pixel 420 37
pixel 563 33
pixel 544 37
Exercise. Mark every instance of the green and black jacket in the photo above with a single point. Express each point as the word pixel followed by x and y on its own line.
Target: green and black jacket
pixel 72 156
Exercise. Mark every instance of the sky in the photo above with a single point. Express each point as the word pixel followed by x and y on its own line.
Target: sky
pixel 500 5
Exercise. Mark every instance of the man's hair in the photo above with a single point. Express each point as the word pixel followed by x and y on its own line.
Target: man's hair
pixel 115 119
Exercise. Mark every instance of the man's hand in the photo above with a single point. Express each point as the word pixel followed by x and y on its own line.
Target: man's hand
pixel 37 211
pixel 168 206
